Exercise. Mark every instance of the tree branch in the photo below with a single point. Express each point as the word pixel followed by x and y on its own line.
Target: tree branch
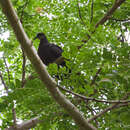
pixel 104 19
pixel 22 12
pixel 23 69
pixel 14 117
pixel 95 77
pixel 40 67
pixel 121 20
pixel 108 109
pixel 80 16
pixel 91 12
pixel 30 77
pixel 123 105
pixel 3 82
pixel 13 109
pixel 26 124
pixel 92 111
pixel 93 99
pixel 110 12
pixel 7 69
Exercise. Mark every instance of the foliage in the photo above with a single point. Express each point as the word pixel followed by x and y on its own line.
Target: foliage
pixel 67 25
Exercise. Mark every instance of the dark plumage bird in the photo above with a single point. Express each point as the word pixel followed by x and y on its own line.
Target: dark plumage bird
pixel 49 53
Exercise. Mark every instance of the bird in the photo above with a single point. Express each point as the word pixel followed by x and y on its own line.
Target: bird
pixel 49 52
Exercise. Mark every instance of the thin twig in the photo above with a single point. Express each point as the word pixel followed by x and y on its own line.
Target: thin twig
pixel 121 35
pixel 23 54
pixel 120 20
pixel 104 111
pixel 95 77
pixel 123 105
pixel 7 91
pixel 92 111
pixel 30 77
pixel 80 13
pixel 22 12
pixel 93 99
pixel 91 12
pixel 5 86
pixel 7 68
pixel 108 109
pixel 94 80
pixel 13 109
pixel 23 69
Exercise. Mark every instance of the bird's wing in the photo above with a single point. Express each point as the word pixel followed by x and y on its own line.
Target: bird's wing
pixel 55 50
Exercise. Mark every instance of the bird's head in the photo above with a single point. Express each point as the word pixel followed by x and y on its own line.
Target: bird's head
pixel 40 36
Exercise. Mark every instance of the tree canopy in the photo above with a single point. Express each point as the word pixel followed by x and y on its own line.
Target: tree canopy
pixel 95 37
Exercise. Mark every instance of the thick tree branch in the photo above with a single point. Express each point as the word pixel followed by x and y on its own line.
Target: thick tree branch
pixel 40 67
